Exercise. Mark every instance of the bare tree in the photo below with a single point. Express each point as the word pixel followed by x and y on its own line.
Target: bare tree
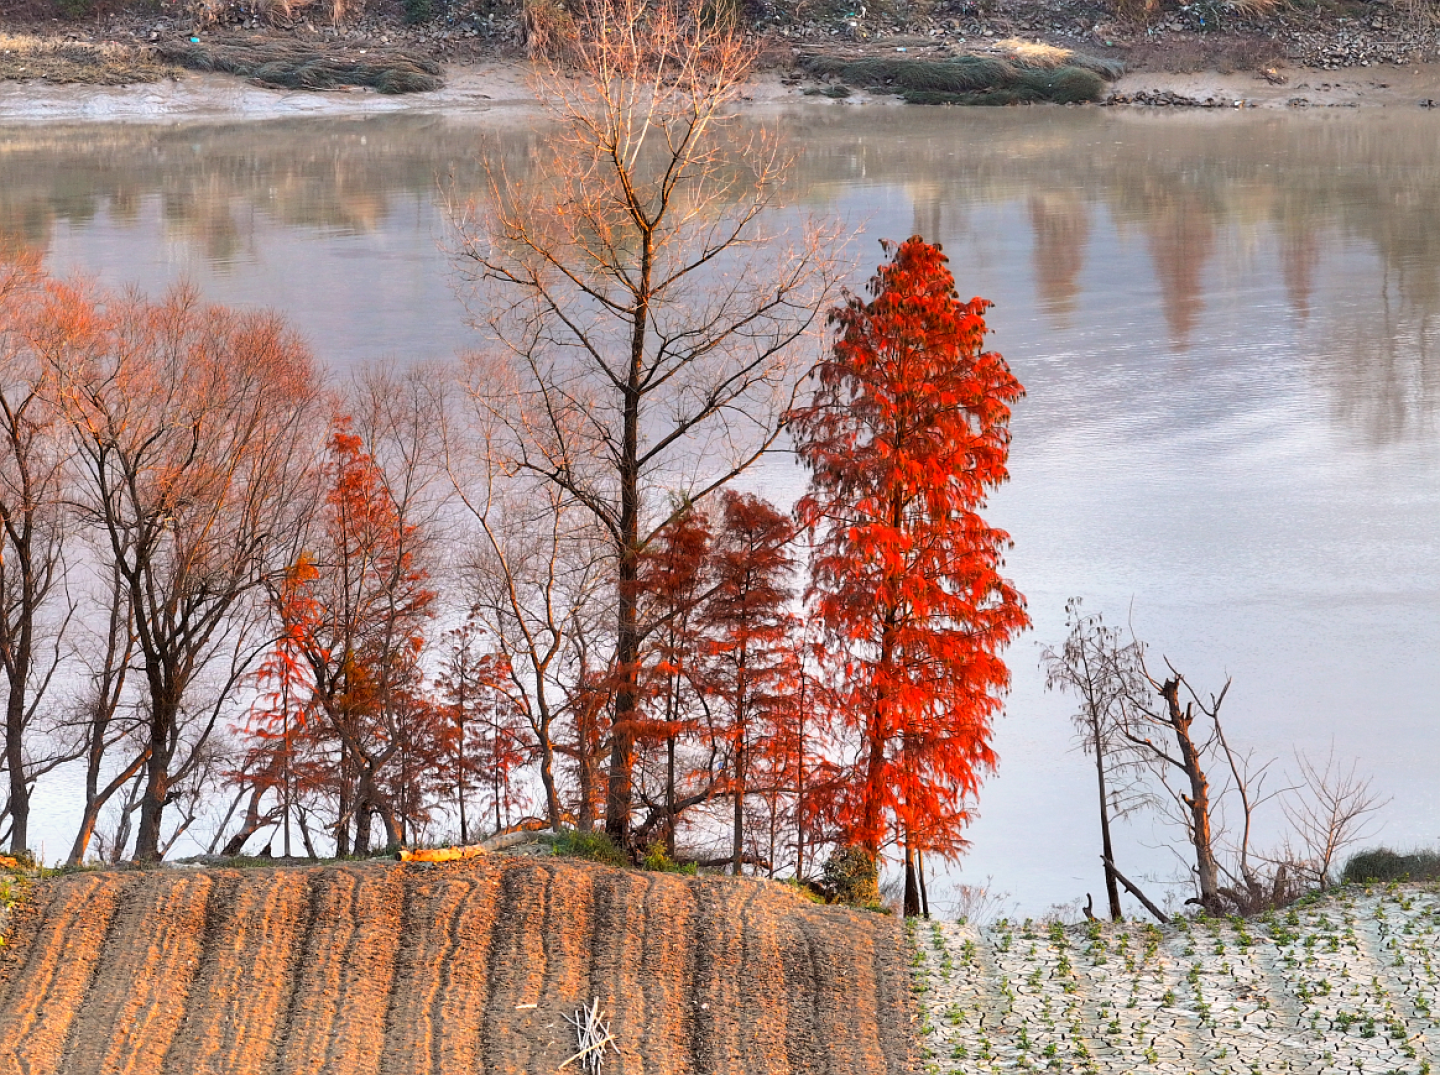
pixel 1181 743
pixel 104 718
pixel 535 579
pixel 1331 809
pixel 1106 672
pixel 647 318
pixel 34 605
pixel 193 427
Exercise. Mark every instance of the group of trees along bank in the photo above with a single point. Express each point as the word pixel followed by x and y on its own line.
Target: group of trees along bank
pixel 240 601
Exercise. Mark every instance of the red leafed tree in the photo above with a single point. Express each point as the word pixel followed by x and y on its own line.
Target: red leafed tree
pixel 906 433
pixel 753 668
pixel 352 616
pixel 672 583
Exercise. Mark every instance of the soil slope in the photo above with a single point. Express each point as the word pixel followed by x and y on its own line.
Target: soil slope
pixel 420 969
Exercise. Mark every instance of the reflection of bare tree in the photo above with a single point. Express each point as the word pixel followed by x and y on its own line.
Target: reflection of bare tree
pixel 1380 361
pixel 1061 224
pixel 1299 257
pixel 207 223
pixel 1187 183
pixel 210 181
pixel 928 214
pixel 1181 237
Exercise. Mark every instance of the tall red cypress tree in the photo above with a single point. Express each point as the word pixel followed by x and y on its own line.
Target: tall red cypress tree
pixel 753 667
pixel 907 432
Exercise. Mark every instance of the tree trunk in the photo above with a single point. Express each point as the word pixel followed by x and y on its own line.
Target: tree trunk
pixel 1112 887
pixel 460 785
pixel 362 829
pixel 1207 871
pixel 670 797
pixel 627 654
pixel 15 759
pixel 252 824
pixel 81 845
pixel 627 634
pixel 157 777
pixel 737 841
pixel 586 740
pixel 912 888
pixel 547 776
pixel 924 896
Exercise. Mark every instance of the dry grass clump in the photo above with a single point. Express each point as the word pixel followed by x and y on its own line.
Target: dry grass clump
pixel 1251 9
pixel 1035 53
pixel 298 66
pixel 1037 56
pixel 976 80
pixel 25 57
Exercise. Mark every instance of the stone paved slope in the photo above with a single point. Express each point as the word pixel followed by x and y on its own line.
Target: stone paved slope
pixel 425 969
pixel 1345 984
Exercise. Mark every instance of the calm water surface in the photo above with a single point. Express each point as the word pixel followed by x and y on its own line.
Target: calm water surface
pixel 1228 326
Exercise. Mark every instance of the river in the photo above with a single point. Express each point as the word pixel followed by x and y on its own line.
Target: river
pixel 1227 325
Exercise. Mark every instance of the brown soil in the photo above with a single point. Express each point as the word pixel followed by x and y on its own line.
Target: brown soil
pixel 423 969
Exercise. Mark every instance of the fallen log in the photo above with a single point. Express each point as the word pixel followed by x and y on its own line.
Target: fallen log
pixel 441 854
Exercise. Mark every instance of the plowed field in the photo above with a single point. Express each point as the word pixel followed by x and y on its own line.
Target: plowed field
pixel 388 969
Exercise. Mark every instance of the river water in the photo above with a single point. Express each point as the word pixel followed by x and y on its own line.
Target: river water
pixel 1227 324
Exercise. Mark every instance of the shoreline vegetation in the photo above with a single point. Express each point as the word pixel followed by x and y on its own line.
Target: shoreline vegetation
pixel 1230 53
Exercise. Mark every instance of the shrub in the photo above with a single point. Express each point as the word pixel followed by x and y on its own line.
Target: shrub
pixel 548 26
pixel 1381 865
pixel 659 861
pixel 976 80
pixel 852 878
pixel 594 846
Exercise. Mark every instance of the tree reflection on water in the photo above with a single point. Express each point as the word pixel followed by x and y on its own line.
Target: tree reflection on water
pixel 1338 210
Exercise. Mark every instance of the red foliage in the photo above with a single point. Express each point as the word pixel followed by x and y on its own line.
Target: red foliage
pixel 753 671
pixel 344 676
pixel 905 435
pixel 673 577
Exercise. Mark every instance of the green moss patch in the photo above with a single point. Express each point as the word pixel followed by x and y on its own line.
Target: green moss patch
pixel 972 80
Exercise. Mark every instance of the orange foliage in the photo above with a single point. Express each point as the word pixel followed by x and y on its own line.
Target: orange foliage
pixel 905 435
pixel 344 673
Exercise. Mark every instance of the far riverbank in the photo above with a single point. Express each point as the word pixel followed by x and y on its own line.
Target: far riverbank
pixel 502 87
pixel 1227 54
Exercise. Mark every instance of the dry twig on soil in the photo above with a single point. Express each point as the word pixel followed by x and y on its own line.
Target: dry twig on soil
pixel 592 1035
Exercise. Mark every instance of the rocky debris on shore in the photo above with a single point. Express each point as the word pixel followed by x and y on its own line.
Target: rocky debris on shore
pixel 1388 36
pixel 1346 982
pixel 1170 99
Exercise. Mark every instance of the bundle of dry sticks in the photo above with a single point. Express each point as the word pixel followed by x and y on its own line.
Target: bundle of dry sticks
pixel 592 1034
